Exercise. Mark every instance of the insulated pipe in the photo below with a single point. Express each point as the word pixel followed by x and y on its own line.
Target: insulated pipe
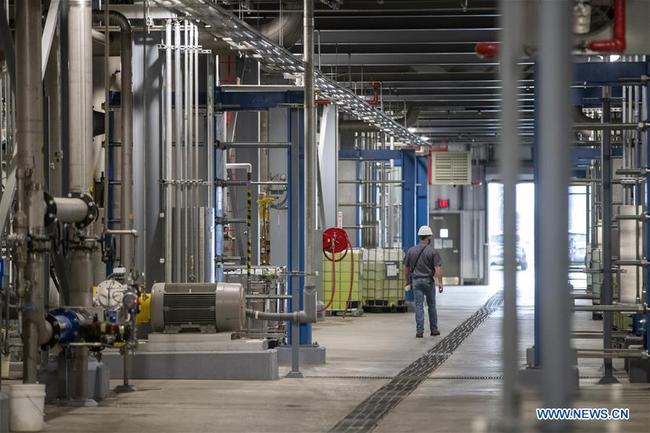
pixel 555 132
pixel 178 157
pixel 198 276
pixel 618 42
pixel 169 173
pixel 30 260
pixel 185 152
pixel 70 210
pixel 80 91
pixel 310 294
pixel 189 164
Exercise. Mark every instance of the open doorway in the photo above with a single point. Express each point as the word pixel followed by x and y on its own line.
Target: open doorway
pixel 578 236
pixel 525 237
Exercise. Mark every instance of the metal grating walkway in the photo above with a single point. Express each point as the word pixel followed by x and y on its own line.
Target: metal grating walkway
pixel 366 416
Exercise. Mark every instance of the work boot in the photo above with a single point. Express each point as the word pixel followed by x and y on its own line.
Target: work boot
pixel 419 334
pixel 435 332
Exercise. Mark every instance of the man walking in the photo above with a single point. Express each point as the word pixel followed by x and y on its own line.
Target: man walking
pixel 423 267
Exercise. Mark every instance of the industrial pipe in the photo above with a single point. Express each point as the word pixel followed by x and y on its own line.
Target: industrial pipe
pixel 127 252
pixel 127 244
pixel 178 157
pixel 294 317
pixel 311 154
pixel 621 308
pixel 614 353
pixel 487 50
pixel 132 233
pixel 80 91
pixel 618 42
pixel 256 145
pixel 607 126
pixel 80 125
pixel 168 168
pixel 70 210
pixel 29 221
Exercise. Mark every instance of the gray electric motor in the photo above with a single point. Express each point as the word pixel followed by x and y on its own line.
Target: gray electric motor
pixel 197 307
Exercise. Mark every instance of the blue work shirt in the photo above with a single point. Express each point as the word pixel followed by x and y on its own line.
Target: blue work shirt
pixel 425 266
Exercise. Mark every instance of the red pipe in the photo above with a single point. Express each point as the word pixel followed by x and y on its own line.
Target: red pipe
pixel 487 50
pixel 618 43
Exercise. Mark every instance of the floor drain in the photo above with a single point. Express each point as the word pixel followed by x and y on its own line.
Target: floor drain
pixel 368 413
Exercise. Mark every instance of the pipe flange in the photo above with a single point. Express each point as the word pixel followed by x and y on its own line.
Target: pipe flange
pixel 50 209
pixel 93 210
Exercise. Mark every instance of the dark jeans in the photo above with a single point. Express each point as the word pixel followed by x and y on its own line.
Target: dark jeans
pixel 425 287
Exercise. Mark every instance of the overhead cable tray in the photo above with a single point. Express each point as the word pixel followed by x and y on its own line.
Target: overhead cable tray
pixel 242 37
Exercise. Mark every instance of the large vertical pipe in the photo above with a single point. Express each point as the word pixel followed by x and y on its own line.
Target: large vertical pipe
pixel 606 293
pixel 509 161
pixel 29 175
pixel 191 223
pixel 310 163
pixel 127 253
pixel 178 125
pixel 80 92
pixel 646 235
pixel 186 143
pixel 209 127
pixel 169 171
pixel 198 257
pixel 80 88
pixel 555 133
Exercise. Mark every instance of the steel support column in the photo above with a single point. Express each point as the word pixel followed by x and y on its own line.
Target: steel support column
pixel 555 133
pixel 509 162
pixel 409 205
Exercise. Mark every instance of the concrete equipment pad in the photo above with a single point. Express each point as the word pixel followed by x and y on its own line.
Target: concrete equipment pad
pixel 224 365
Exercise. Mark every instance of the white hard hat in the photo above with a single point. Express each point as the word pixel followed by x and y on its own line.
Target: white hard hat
pixel 425 231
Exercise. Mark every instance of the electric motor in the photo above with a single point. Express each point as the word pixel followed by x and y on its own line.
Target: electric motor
pixel 197 307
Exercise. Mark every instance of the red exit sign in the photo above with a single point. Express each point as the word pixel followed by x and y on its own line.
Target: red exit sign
pixel 443 203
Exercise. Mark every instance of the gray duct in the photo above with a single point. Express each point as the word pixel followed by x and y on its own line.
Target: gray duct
pixel 286 28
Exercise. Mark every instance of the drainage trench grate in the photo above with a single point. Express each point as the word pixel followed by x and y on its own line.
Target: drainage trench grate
pixel 368 413
pixel 495 377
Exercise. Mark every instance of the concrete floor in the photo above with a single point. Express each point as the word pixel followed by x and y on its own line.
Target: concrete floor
pixel 363 353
